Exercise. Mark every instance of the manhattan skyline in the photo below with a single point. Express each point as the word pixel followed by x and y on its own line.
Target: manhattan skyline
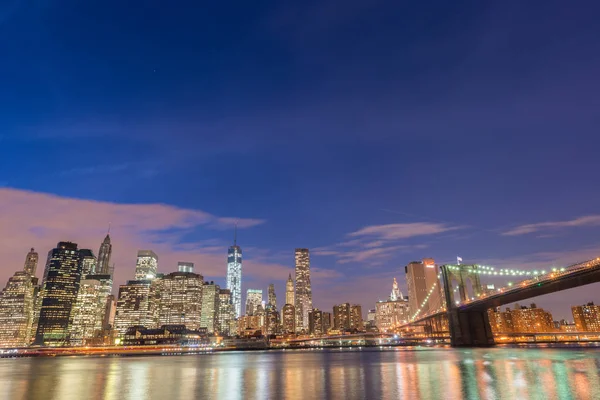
pixel 447 131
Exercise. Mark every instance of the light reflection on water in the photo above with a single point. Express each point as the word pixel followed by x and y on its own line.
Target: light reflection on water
pixel 498 373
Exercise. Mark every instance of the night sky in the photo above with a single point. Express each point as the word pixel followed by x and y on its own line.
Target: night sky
pixel 372 132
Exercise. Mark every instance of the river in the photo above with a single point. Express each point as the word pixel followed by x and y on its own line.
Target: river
pixel 400 373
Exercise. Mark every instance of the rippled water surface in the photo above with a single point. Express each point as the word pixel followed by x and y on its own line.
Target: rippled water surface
pixel 499 373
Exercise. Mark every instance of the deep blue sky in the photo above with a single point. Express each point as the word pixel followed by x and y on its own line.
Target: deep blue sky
pixel 317 117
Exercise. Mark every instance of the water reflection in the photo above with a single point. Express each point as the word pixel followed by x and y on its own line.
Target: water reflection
pixel 499 373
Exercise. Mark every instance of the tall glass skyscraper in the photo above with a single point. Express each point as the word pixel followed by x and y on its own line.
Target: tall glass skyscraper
pixel 234 276
pixel 303 289
pixel 59 294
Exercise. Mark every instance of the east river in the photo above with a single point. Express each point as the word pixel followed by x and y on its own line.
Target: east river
pixel 399 373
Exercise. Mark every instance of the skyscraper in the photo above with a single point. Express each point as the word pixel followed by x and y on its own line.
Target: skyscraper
pixel 88 312
pixel 226 317
pixel 210 307
pixel 146 266
pixel 104 253
pixel 289 291
pixel 303 300
pixel 133 306
pixel 253 301
pixel 342 316
pixel 179 299
pixel 88 262
pixel 315 322
pixel 234 275
pixel 31 262
pixel 16 309
pixel 396 293
pixel 421 277
pixel 288 318
pixel 185 266
pixel 272 298
pixel 59 294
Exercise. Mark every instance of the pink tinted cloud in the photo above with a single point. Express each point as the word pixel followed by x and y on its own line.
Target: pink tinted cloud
pixel 402 231
pixel 588 220
pixel 40 220
pixel 30 219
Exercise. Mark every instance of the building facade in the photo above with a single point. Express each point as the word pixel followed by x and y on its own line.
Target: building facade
pixel 315 322
pixel 587 317
pixel 288 319
pixel 303 298
pixel 133 306
pixel 389 315
pixel 421 277
pixel 227 325
pixel 88 313
pixel 16 309
pixel 103 266
pixel 59 294
pixel 178 299
pixel 289 291
pixel 185 266
pixel 88 262
pixel 146 267
pixel 234 276
pixel 210 307
pixel 254 298
pixel 272 298
pixel 31 262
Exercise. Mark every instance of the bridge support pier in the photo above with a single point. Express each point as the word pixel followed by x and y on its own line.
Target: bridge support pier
pixel 470 329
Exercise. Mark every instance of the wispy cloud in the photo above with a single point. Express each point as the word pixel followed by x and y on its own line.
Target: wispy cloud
pixel 402 231
pixel 589 220
pixel 375 244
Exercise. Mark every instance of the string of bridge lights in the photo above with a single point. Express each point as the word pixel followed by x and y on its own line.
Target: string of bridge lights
pixel 485 270
pixel 427 297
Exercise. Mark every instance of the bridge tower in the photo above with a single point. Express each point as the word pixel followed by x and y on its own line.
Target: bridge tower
pixel 467 328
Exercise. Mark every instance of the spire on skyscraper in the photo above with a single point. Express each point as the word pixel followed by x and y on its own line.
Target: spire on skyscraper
pixel 396 294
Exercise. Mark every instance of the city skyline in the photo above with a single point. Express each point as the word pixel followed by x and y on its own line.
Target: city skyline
pixel 467 131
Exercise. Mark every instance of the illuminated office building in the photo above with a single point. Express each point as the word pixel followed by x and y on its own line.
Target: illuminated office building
pixel 185 266
pixel 289 291
pixel 253 301
pixel 356 320
pixel 16 309
pixel 327 321
pixel 234 275
pixel 391 314
pixel 315 322
pixel 341 317
pixel 134 306
pixel 271 321
pixel 59 294
pixel 421 277
pixel 587 317
pixel 210 307
pixel 31 262
pixel 178 299
pixel 288 319
pixel 303 300
pixel 88 262
pixel 272 298
pixel 227 325
pixel 146 267
pixel 88 312
pixel 104 253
